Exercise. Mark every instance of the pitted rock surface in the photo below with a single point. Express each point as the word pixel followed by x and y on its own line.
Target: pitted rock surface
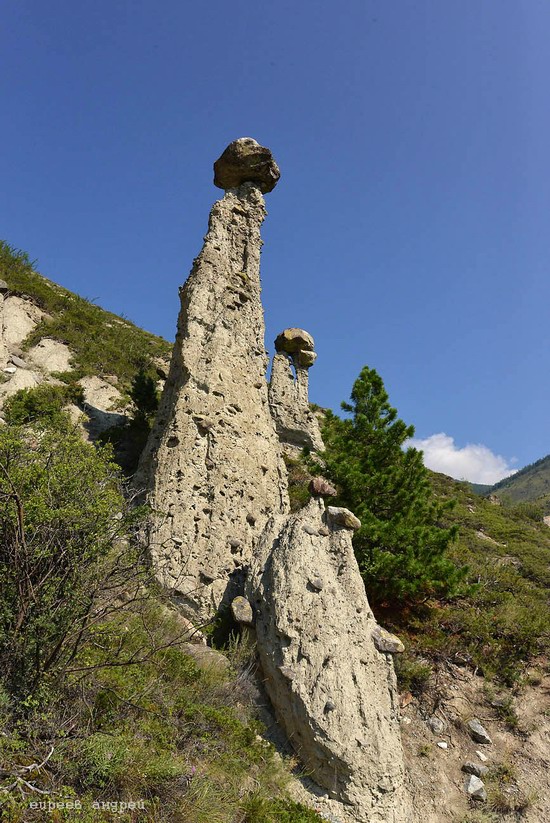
pixel 334 694
pixel 212 467
pixel 245 161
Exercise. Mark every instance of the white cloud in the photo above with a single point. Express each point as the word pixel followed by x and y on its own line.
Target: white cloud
pixel 473 462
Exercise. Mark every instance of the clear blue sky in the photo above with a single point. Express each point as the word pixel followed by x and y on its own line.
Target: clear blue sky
pixel 409 230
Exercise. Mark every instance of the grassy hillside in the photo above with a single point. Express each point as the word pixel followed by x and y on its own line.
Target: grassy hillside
pixel 531 483
pixel 101 342
pixel 502 622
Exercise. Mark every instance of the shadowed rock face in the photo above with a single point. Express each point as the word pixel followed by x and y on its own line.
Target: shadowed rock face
pixel 334 693
pixel 245 161
pixel 296 424
pixel 212 467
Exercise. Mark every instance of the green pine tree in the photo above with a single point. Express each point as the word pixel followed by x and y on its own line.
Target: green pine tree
pixel 401 545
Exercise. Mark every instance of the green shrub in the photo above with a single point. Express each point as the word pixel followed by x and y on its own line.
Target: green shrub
pixel 44 404
pixel 412 674
pixel 59 549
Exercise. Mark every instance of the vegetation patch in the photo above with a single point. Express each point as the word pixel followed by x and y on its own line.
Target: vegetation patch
pixel 101 342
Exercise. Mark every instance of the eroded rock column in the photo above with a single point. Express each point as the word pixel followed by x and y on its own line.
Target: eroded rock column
pixel 296 424
pixel 333 691
pixel 212 468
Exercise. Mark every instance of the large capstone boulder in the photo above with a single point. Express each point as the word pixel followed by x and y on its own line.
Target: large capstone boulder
pixel 245 161
pixel 339 516
pixel 291 341
pixel 334 693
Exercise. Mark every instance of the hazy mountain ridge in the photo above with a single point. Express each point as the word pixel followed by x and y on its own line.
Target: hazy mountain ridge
pixel 529 485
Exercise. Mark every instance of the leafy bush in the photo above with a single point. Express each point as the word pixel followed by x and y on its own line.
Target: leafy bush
pixel 62 516
pixel 42 404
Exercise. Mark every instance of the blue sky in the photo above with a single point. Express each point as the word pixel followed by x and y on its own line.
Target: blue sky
pixel 409 230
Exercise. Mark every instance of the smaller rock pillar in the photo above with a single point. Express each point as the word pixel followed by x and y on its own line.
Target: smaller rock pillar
pixel 295 423
pixel 4 354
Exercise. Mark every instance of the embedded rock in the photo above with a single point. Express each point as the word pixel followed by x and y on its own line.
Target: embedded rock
pixel 319 487
pixel 343 517
pixel 245 161
pixel 386 642
pixel 242 611
pixel 437 725
pixel 478 733
pixel 17 361
pixel 296 424
pixel 212 468
pixel 333 693
pixel 475 788
pixel 474 768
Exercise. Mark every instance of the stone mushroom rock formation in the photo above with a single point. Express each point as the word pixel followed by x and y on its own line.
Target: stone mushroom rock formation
pixel 245 161
pixel 212 470
pixel 333 692
pixel 213 475
pixel 296 424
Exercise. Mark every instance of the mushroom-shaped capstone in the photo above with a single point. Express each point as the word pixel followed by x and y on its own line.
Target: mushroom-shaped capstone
pixel 291 341
pixel 245 161
pixel 3 286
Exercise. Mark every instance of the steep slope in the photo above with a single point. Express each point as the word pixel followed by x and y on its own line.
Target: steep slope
pixel 530 484
pixel 48 335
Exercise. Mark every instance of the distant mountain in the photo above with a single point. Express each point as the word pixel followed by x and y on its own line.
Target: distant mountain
pixel 530 484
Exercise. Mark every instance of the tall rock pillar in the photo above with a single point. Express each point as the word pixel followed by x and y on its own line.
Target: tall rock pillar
pixel 212 468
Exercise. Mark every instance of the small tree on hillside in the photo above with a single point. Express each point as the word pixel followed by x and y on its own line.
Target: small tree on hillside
pixel 65 563
pixel 401 545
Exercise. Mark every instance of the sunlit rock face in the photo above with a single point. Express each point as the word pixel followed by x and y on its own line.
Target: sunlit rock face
pixel 296 424
pixel 245 161
pixel 212 468
pixel 334 693
pixel 220 527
